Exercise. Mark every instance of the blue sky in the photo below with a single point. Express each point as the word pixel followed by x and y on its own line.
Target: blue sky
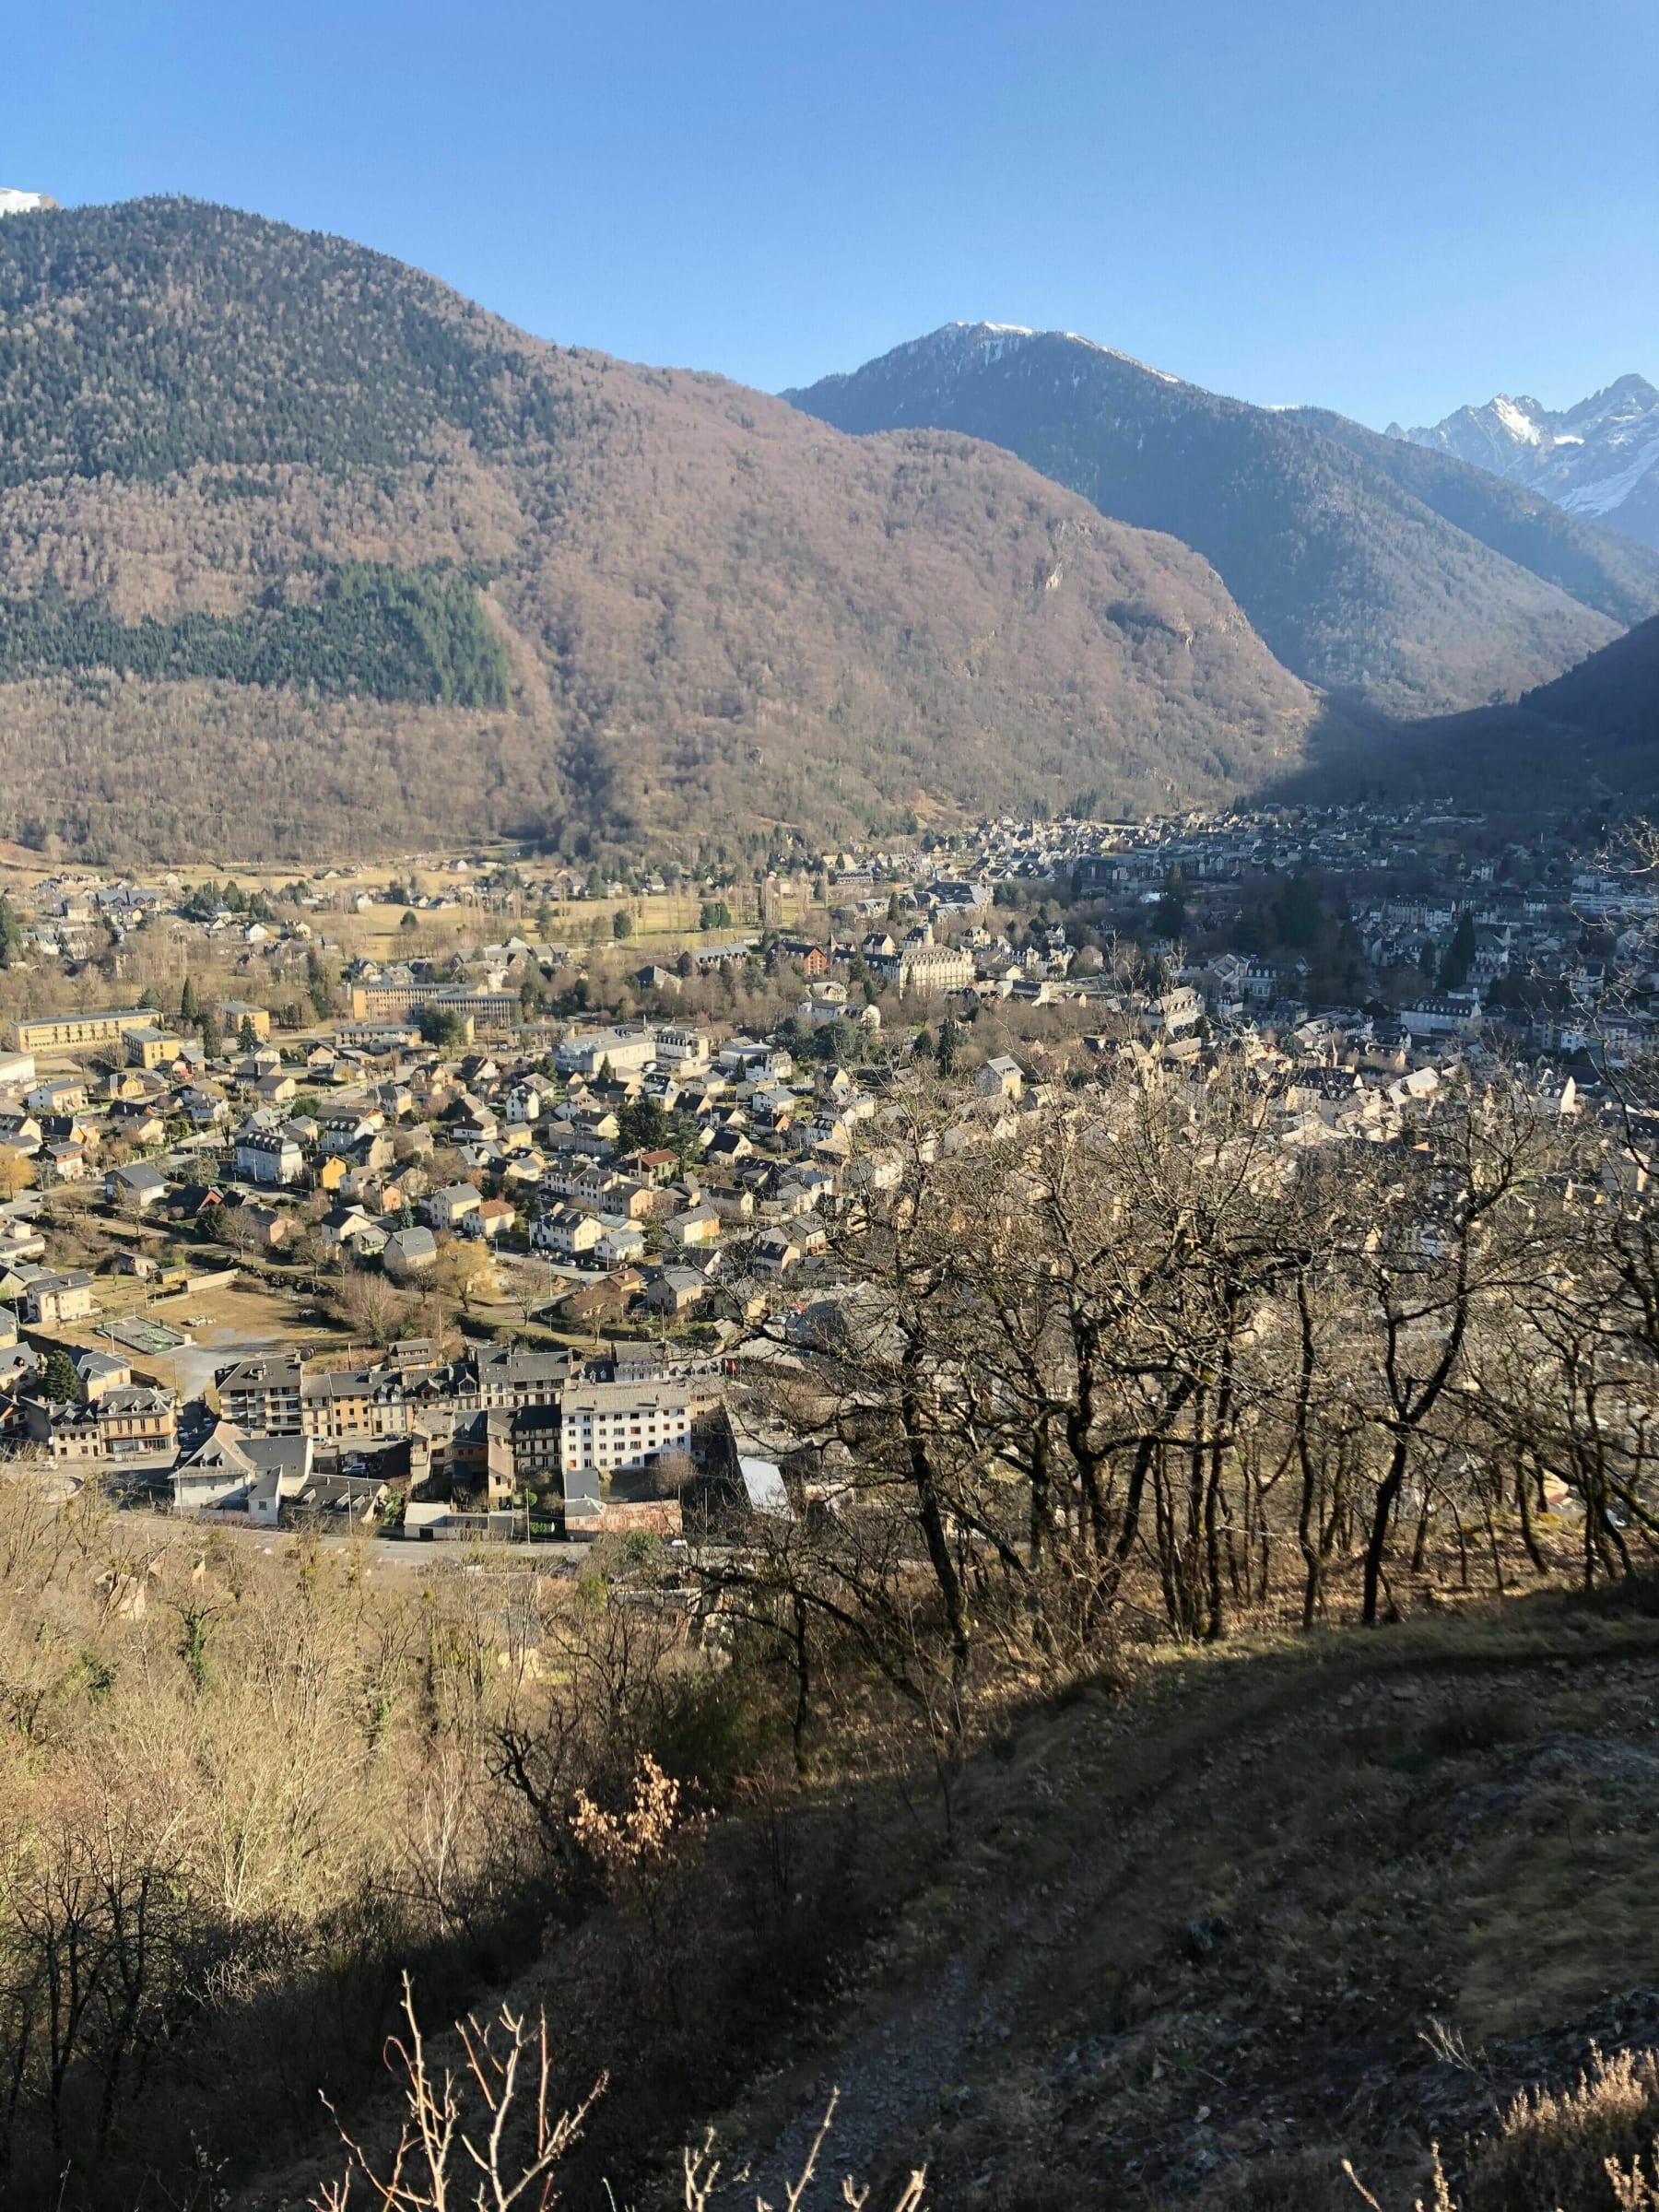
pixel 1386 208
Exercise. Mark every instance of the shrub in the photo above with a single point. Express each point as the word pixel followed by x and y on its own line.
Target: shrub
pixel 1552 2148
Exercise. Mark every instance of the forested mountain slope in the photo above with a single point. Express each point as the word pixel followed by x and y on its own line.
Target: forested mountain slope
pixel 1403 589
pixel 301 551
pixel 1590 737
pixel 1591 563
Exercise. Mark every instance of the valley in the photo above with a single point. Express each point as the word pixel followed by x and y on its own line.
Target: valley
pixel 829 1254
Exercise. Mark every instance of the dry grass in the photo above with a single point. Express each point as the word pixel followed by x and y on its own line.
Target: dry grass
pixel 1552 2151
pixel 1204 1929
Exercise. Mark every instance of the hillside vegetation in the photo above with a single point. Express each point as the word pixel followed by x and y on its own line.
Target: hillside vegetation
pixel 620 604
pixel 1410 582
pixel 1199 1944
pixel 1094 1769
pixel 1592 733
pixel 382 631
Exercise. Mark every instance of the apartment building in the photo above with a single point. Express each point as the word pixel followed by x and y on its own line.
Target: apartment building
pixel 261 1396
pixel 55 1032
pixel 607 1426
pixel 355 1404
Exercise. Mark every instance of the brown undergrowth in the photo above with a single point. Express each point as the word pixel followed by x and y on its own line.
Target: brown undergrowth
pixel 1190 1944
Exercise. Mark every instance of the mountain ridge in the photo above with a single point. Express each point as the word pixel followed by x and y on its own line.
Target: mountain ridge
pixel 712 616
pixel 1358 584
pixel 1599 458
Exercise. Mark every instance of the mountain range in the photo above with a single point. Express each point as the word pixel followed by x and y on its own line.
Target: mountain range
pixel 1599 459
pixel 1403 581
pixel 302 553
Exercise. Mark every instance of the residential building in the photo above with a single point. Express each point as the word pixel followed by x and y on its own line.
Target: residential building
pixel 675 1291
pixel 135 1189
pixel 380 1003
pixel 150 1047
pixel 235 1473
pixel 52 1299
pixel 135 1121
pixel 621 1242
pixel 588 1051
pixel 125 1421
pixel 348 1228
pixel 696 1225
pixel 926 969
pixel 685 1049
pixel 999 1078
pixel 607 1426
pixel 261 1396
pixel 449 1208
pixel 134 1421
pixel 410 1252
pixel 65 1094
pixel 1177 1009
pixel 271 1157
pixel 567 1232
pixel 513 1378
pixel 233 1013
pixel 99 1371
pixel 57 1032
pixel 355 1404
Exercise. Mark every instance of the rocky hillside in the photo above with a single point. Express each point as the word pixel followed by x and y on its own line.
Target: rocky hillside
pixel 1414 592
pixel 300 551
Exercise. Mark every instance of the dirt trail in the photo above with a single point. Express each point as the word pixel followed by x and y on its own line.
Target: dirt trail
pixel 1072 1866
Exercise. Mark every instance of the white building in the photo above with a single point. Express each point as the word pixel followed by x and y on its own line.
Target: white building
pixel 567 1232
pixel 269 1155
pixel 611 1424
pixel 449 1208
pixel 1179 1009
pixel 627 1051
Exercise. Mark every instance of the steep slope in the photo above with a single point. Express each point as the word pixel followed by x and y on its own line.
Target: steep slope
pixel 1590 737
pixel 1196 1951
pixel 1599 567
pixel 1613 695
pixel 300 551
pixel 1599 458
pixel 1351 578
pixel 1187 1945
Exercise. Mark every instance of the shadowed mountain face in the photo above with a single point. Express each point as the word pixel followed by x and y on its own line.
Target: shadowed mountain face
pixel 1590 737
pixel 1405 580
pixel 302 552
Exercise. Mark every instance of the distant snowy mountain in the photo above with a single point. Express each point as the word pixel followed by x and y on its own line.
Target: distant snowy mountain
pixel 22 202
pixel 1599 459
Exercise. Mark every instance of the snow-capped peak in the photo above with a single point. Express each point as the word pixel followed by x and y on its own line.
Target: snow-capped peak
pixel 1600 458
pixel 1519 417
pixel 960 343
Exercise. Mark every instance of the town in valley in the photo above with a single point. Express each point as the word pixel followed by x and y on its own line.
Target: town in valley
pixel 450 1200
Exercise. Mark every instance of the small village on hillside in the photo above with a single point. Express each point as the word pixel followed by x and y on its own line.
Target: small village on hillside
pixel 455 1204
